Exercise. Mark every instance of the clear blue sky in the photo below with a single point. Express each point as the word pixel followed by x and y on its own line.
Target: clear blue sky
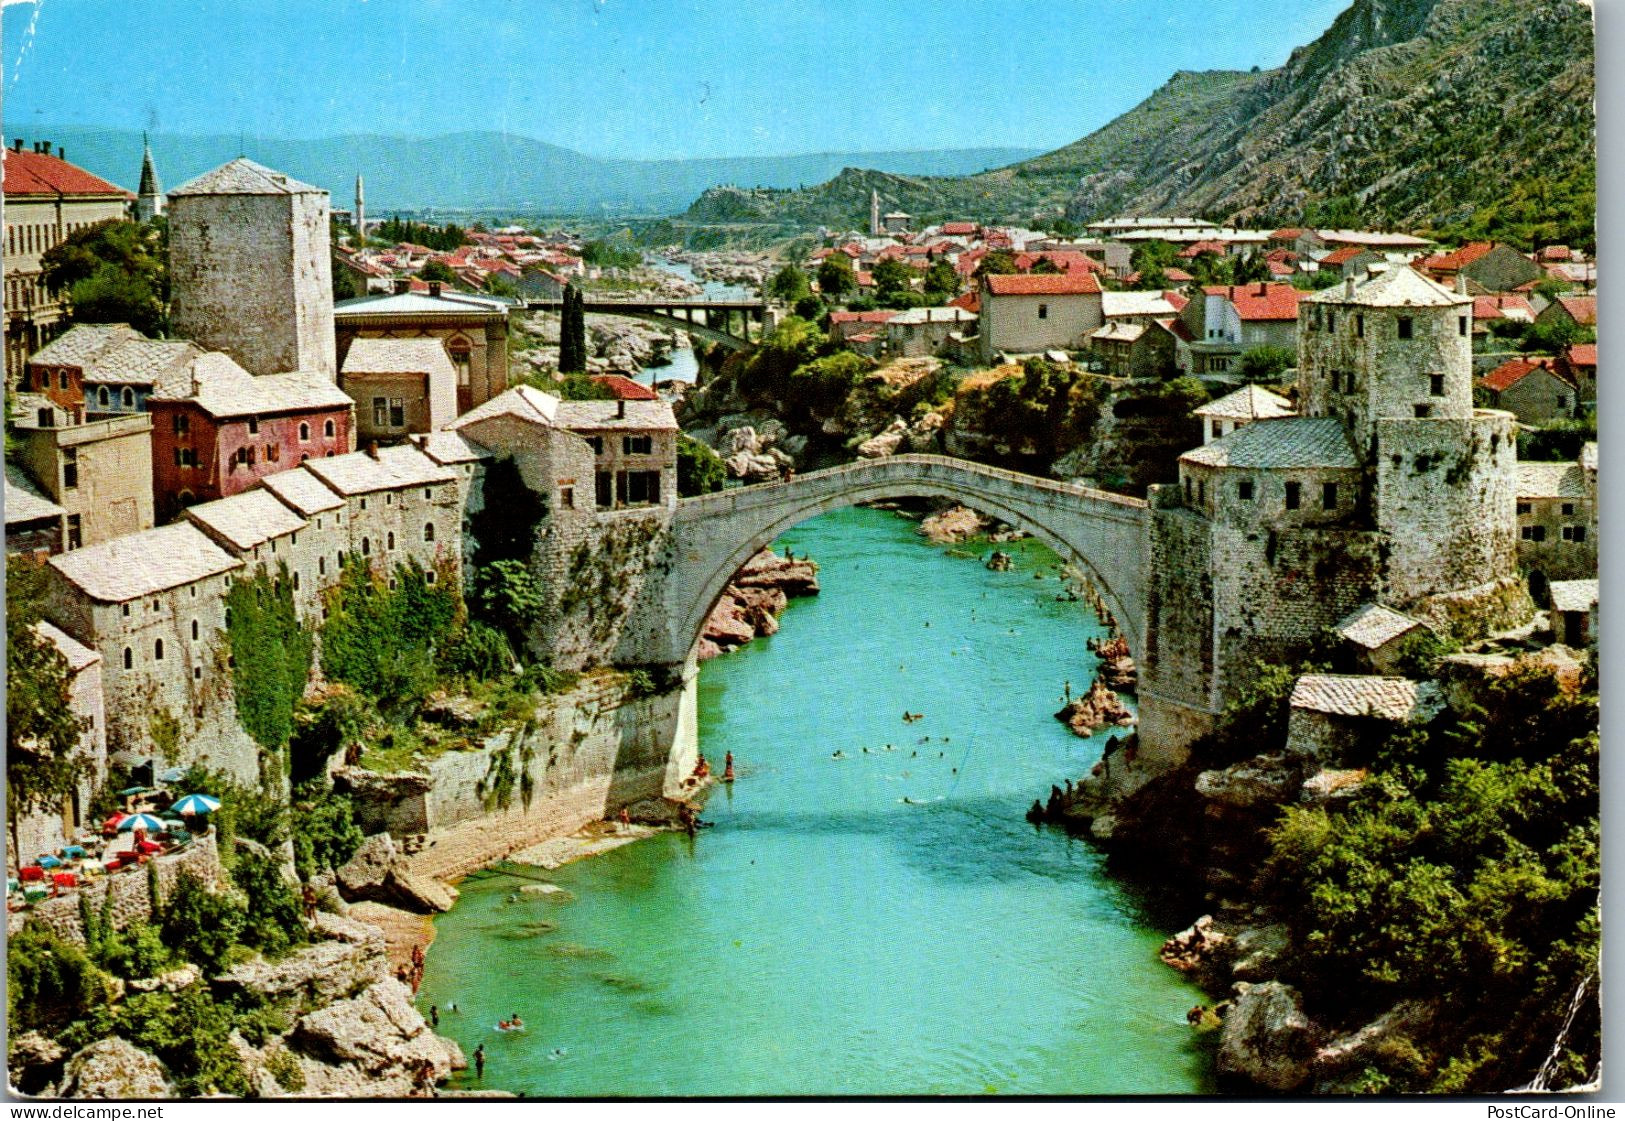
pixel 633 78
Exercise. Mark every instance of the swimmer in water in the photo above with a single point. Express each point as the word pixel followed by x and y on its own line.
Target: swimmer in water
pixel 837 755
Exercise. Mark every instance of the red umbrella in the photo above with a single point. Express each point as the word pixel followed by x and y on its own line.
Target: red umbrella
pixel 112 823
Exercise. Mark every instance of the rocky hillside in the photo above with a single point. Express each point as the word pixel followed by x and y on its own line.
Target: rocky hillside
pixel 1441 114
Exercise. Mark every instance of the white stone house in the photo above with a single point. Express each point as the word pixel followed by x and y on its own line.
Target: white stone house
pixel 1030 313
pixel 1245 405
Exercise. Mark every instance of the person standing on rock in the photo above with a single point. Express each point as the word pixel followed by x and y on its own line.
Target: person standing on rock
pixel 479 1062
pixel 309 894
pixel 434 1015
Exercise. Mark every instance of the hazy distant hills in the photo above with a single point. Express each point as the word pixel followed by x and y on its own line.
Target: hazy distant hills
pixel 1422 113
pixel 490 170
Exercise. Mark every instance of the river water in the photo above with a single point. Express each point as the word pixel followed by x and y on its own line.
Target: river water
pixel 886 923
pixel 683 365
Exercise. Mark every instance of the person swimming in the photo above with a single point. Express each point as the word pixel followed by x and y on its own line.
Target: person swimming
pixel 837 754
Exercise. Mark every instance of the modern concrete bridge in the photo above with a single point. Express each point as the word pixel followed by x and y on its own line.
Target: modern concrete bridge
pixel 720 321
pixel 1104 535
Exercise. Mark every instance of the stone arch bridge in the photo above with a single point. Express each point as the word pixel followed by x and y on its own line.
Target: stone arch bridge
pixel 728 322
pixel 1103 534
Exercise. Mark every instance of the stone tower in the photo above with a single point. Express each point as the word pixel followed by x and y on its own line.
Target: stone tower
pixel 251 272
pixel 360 212
pixel 874 213
pixel 1391 356
pixel 149 199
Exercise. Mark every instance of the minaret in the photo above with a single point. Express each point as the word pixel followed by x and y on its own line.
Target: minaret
pixel 874 213
pixel 360 213
pixel 149 199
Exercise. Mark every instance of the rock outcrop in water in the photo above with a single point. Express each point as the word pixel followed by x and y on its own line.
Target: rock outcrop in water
pixel 1098 708
pixel 752 602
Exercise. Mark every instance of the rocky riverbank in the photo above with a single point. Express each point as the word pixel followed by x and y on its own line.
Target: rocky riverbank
pixel 614 345
pixel 742 267
pixel 752 602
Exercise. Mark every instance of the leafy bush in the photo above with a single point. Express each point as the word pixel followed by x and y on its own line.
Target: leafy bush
pixel 136 951
pixel 201 925
pixel 325 833
pixel 190 1033
pixel 1265 363
pixel 273 917
pixel 822 386
pixel 271 654
pixel 699 469
pixel 383 642
pixel 507 595
pixel 50 982
pixel 481 652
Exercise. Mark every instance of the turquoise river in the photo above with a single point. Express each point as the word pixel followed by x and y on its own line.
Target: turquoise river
pixel 883 923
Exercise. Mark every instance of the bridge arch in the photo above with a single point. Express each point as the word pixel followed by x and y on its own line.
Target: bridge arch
pixel 1103 534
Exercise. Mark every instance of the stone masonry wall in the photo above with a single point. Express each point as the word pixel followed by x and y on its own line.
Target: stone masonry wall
pixel 129 891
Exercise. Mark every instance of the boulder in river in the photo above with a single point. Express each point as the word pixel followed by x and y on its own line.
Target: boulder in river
pixel 1098 708
pixel 1267 1039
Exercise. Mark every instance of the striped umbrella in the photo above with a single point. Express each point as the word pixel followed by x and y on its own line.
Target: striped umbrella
pixel 140 821
pixel 196 804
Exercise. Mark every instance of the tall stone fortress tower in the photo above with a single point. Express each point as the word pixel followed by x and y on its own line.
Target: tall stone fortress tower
pixel 149 197
pixel 251 270
pixel 1392 357
pixel 1389 488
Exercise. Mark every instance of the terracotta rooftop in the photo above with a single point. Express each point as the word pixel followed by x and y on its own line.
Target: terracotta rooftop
pixel 1347 253
pixel 1509 374
pixel 1279 443
pixel 35 173
pixel 1041 284
pixel 1582 308
pixel 624 388
pixel 1374 625
pixel 140 564
pixel 1573 595
pixel 1260 302
pixel 1502 307
pixel 1582 354
pixel 1383 698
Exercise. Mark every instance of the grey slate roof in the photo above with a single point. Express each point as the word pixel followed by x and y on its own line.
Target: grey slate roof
pixel 642 415
pixel 1374 626
pixel 243 176
pixel 78 345
pixel 24 502
pixel 397 356
pixel 1250 402
pixel 1573 595
pixel 140 564
pixel 160 363
pixel 1551 480
pixel 246 520
pixel 360 473
pixel 79 655
pixel 1396 286
pixel 224 389
pixel 1383 698
pixel 303 491
pixel 451 447
pixel 419 303
pixel 521 401
pixel 1279 444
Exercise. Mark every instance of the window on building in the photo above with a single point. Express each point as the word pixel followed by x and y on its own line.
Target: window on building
pixel 643 486
pixel 428 531
pixel 197 673
pixel 62 379
pixel 304 432
pixel 127 398
pixel 254 425
pixel 429 576
pixel 1359 326
pixel 428 494
pixel 101 397
pixel 597 443
pixel 1523 507
pixel 1461 326
pixel 1533 533
pixel 366 546
pixel 1423 411
pixel 182 424
pixel 397 412
pixel 637 445
pixel 567 497
pixel 47 419
pixel 321 566
pixel 1043 311
pixel 1328 496
pixel 1407 327
pixel 389 500
pixel 129 658
pixel 1293 495
pixel 1436 384
pixel 604 489
pixel 158 650
pixel 273 453
pixel 296 581
pixel 126 611
pixel 1568 508
pixel 1201 490
pixel 1190 491
pixel 327 429
pixel 76 538
pixel 194 630
pixel 389 541
pixel 363 502
pixel 1562 401
pixel 70 468
pixel 1244 490
pixel 459 350
pixel 1575 533
pixel 380 412
pixel 1331 319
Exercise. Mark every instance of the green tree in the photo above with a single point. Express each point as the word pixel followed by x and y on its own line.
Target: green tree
pixel 44 758
pixel 437 272
pixel 505 526
pixel 572 333
pixel 699 469
pixel 50 982
pixel 835 278
pixel 1265 363
pixel 579 387
pixel 201 924
pixel 325 833
pixel 112 272
pixel 892 277
pixel 941 281
pixel 384 641
pixel 998 262
pixel 273 919
pixel 789 284
pixel 345 285
pixel 271 654
pixel 507 595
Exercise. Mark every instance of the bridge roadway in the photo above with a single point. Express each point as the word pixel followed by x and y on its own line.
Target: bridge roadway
pixel 697 317
pixel 1105 535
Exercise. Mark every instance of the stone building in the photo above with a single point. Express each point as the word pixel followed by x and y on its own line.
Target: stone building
pixel 1390 490
pixel 1332 716
pixel 99 473
pixel 1574 612
pixel 1533 390
pixel 220 430
pixel 401 507
pixel 47 831
pixel 634 447
pixel 922 331
pixel 1034 312
pixel 152 604
pixel 1376 635
pixel 46 199
pixel 1241 407
pixel 251 272
pixel 1557 516
pixel 1136 348
pixel 34 524
pixel 472 329
pixel 1229 320
pixel 1483 266
pixel 257 528
pixel 401 387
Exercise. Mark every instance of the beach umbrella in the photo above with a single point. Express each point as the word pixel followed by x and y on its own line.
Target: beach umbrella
pixel 196 804
pixel 113 821
pixel 174 774
pixel 129 790
pixel 140 821
pixel 49 861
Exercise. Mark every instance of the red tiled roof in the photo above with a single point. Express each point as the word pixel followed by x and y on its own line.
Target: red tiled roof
pixel 958 229
pixel 865 337
pixel 624 388
pixel 1275 301
pixel 1196 249
pixel 1555 253
pixel 1582 308
pixel 1285 233
pixel 1280 255
pixel 1177 328
pixel 1178 276
pixel 1509 374
pixel 1496 307
pixel 1043 284
pixel 1067 260
pixel 1176 300
pixel 35 173
pixel 865 279
pixel 1582 354
pixel 1347 253
pixel 860 317
pixel 1455 262
pixel 1279 268
pixel 970 301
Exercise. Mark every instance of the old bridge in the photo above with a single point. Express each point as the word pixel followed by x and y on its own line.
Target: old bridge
pixel 1103 534
pixel 728 322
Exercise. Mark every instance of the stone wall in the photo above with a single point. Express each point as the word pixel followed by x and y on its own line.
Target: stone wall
pixel 132 901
